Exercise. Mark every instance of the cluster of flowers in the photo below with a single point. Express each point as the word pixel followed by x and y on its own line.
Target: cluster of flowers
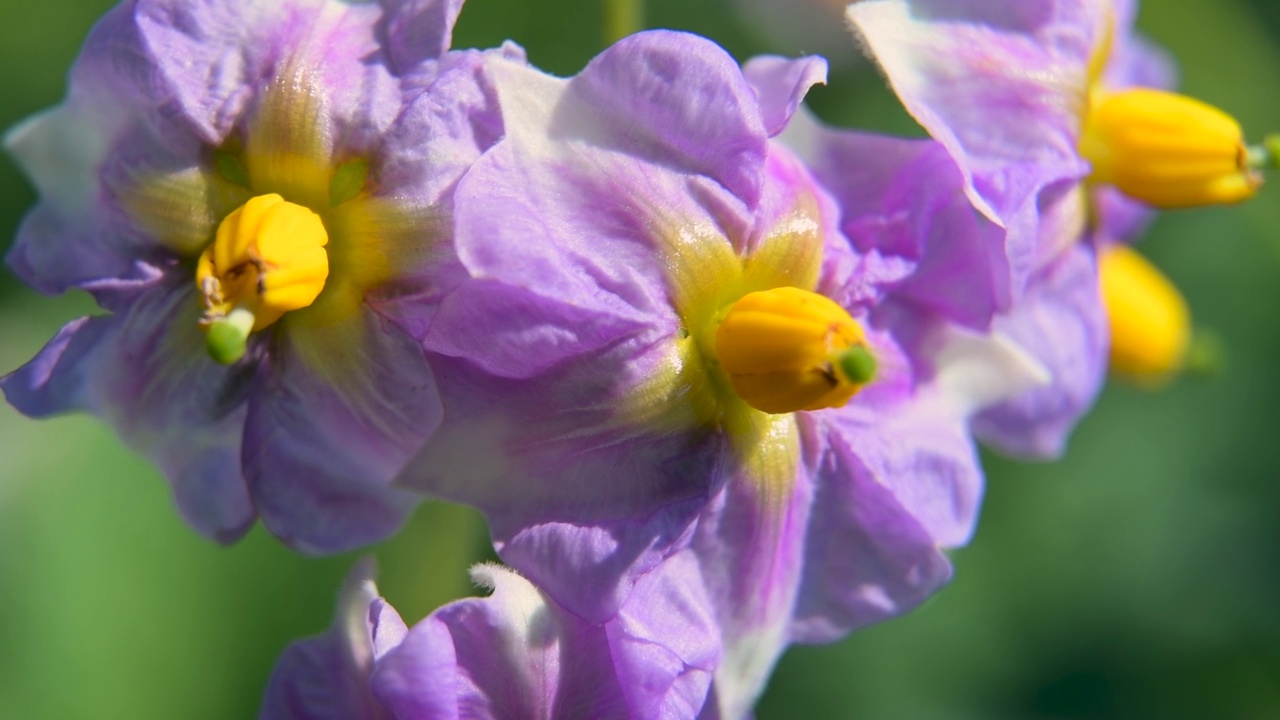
pixel 712 371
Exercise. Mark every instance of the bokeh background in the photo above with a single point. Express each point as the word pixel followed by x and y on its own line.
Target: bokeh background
pixel 1137 578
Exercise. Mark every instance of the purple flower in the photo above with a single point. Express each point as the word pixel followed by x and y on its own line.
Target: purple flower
pixel 513 654
pixel 251 181
pixel 657 347
pixel 1019 93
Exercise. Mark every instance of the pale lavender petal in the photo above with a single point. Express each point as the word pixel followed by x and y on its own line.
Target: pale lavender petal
pixel 1003 86
pixel 750 545
pixel 665 642
pixel 903 201
pixel 1062 324
pixel 417 30
pixel 679 100
pixel 781 84
pixel 868 557
pixel 517 654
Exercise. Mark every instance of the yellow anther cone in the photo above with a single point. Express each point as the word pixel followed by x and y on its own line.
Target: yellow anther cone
pixel 1166 149
pixel 788 349
pixel 1150 321
pixel 267 259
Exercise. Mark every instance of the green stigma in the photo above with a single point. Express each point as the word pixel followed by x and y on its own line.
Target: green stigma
pixel 226 337
pixel 857 365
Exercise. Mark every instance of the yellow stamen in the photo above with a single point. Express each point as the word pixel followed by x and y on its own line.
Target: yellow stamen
pixel 788 349
pixel 1150 322
pixel 268 258
pixel 1166 149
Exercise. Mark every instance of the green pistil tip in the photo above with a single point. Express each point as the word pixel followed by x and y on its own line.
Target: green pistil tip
pixel 857 364
pixel 231 168
pixel 226 338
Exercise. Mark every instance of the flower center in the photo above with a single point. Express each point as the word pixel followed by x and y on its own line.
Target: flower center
pixel 789 349
pixel 268 258
pixel 1150 322
pixel 1166 149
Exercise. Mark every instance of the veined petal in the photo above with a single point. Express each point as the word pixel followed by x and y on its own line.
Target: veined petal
pixel 335 414
pixel 541 459
pixel 781 84
pixel 1003 85
pixel 179 209
pixel 628 99
pixel 417 30
pixel 867 558
pixel 1061 323
pixel 902 202
pixel 146 372
pixel 518 654
pixel 290 139
pixel 750 549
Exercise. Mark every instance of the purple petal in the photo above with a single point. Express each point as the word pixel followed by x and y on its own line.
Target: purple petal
pixel 781 84
pixel 414 31
pixel 327 677
pixel 1003 86
pixel 146 372
pixel 903 201
pixel 541 460
pixel 1062 324
pixel 518 654
pixel 322 442
pixel 750 546
pixel 868 556
pixel 665 642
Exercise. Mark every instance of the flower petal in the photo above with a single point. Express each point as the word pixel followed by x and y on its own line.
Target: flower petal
pixel 327 677
pixel 674 98
pixel 334 415
pixel 147 374
pixel 867 556
pixel 518 654
pixel 417 30
pixel 1003 86
pixel 1061 322
pixel 903 201
pixel 781 84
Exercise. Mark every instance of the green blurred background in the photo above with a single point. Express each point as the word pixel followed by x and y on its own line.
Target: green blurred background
pixel 1137 578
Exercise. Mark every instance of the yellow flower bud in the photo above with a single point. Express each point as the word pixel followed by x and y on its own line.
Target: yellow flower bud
pixel 1150 322
pixel 1166 149
pixel 788 349
pixel 268 258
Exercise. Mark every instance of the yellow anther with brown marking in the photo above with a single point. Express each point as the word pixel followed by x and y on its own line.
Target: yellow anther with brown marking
pixel 267 259
pixel 1150 321
pixel 1166 149
pixel 789 349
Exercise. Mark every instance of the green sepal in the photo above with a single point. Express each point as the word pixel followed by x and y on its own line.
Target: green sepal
pixel 348 181
pixel 231 168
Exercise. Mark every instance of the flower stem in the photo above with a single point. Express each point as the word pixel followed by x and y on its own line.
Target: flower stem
pixel 622 18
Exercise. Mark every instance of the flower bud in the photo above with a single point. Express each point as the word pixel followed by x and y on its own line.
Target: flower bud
pixel 1166 149
pixel 788 349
